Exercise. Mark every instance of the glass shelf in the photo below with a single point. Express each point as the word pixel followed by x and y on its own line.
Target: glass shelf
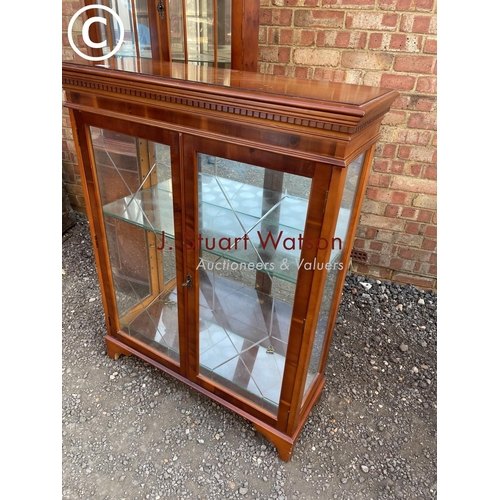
pixel 247 224
pixel 223 56
pixel 149 209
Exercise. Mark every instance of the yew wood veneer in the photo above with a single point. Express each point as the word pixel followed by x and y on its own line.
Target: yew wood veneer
pixel 223 207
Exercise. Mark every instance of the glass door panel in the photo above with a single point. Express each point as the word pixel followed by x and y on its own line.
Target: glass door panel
pixel 135 184
pixel 136 36
pixel 188 31
pixel 251 222
pixel 200 31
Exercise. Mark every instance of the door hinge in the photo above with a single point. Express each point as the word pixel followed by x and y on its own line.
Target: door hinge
pixel 95 240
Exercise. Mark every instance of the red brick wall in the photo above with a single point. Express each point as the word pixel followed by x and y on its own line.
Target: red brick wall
pixel 389 43
pixel 70 170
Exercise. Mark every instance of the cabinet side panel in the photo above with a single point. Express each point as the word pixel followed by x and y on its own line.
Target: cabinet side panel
pixel 348 244
pixel 335 267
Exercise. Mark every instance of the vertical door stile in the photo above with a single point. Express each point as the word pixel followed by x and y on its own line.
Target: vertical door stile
pixel 189 175
pixel 180 259
pixel 159 28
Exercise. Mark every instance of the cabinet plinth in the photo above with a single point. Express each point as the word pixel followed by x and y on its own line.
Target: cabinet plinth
pixel 223 207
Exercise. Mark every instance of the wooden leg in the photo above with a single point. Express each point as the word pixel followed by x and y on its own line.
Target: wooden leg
pixel 284 444
pixel 115 350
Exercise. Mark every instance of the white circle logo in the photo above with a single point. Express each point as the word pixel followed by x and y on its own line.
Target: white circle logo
pixel 86 37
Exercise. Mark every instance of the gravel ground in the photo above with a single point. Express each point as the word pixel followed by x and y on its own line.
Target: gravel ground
pixel 132 432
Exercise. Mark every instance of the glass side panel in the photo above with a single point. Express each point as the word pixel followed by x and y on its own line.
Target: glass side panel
pixel 246 290
pixel 348 197
pixel 130 173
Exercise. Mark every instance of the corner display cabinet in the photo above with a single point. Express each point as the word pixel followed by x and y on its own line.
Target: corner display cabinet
pixel 222 208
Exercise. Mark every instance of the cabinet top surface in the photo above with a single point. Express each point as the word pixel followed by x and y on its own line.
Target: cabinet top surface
pixel 217 80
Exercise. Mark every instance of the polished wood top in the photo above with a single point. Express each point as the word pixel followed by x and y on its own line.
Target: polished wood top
pixel 341 98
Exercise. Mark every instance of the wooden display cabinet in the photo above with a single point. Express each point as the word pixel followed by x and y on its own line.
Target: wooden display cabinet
pixel 223 207
pixel 220 33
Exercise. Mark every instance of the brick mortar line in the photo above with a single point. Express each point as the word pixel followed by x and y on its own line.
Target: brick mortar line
pixel 346 12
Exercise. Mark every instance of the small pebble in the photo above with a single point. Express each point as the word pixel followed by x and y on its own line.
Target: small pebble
pixel 366 363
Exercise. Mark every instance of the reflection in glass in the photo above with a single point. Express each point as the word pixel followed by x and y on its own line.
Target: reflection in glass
pixel 143 31
pixel 200 31
pixel 140 235
pixel 137 36
pixel 246 295
pixel 343 222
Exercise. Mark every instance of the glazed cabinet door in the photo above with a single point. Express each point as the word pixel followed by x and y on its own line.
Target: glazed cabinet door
pixel 253 220
pixel 134 182
pixel 212 259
